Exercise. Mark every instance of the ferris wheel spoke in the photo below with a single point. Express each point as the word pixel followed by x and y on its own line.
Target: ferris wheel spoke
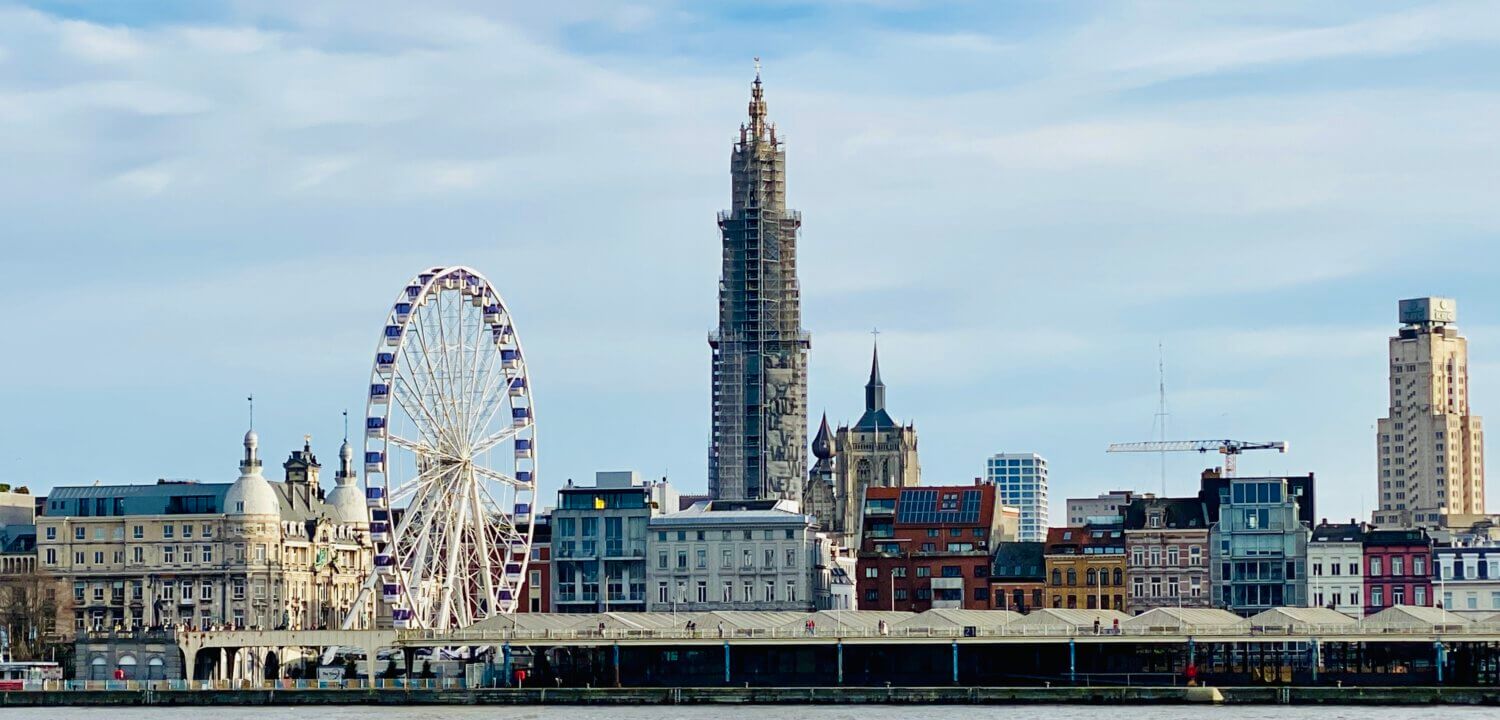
pixel 498 438
pixel 499 477
pixel 434 378
pixel 416 411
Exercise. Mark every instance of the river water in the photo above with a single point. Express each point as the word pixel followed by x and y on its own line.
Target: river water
pixel 757 712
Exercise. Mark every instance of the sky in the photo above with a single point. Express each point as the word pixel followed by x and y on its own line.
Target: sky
pixel 206 200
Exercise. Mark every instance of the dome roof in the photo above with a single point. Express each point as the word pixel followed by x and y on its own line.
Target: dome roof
pixel 346 504
pixel 251 494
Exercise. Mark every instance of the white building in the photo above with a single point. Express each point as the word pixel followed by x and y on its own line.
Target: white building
pixel 1430 448
pixel 1469 577
pixel 1021 479
pixel 733 555
pixel 1107 509
pixel 1335 567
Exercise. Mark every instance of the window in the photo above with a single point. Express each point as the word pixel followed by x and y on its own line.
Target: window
pixel 703 591
pixel 924 571
pixel 791 558
pixel 52 556
pixel 208 530
pixel 770 558
pixel 661 592
pixel 1195 555
pixel 169 554
pixel 747 589
pixel 1398 565
pixel 872 572
pixel 681 559
pixel 661 560
pixel 1419 596
pixel 726 560
pixel 1419 566
pixel 1377 595
pixel 208 553
pixel 167 531
pixel 80 533
pixel 728 590
pixel 187 531
pixel 238 589
pixel 1375 568
pixel 701 559
pixel 770 591
pixel 747 560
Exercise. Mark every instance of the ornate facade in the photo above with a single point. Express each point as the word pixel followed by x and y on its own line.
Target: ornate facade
pixel 248 554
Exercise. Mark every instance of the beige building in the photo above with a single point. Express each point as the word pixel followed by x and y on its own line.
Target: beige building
pixel 1430 448
pixel 253 553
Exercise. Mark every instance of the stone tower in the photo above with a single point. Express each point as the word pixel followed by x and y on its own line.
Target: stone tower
pixel 876 452
pixel 759 444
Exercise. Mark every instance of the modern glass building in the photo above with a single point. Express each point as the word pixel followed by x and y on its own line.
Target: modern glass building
pixel 1021 479
pixel 1258 544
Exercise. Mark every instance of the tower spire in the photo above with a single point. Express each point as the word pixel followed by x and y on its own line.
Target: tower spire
pixel 875 389
pixel 757 106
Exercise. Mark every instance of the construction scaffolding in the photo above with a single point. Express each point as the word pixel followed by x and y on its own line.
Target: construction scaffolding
pixel 759 443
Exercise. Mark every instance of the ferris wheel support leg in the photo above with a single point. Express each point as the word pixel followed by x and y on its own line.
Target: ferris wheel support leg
pixel 358 608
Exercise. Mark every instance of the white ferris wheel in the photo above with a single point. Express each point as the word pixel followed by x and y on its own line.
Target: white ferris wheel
pixel 450 457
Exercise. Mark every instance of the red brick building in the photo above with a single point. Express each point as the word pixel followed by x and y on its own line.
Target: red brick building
pixel 927 547
pixel 536 591
pixel 1398 569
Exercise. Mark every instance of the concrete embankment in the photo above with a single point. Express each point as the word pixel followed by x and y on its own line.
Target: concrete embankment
pixel 769 696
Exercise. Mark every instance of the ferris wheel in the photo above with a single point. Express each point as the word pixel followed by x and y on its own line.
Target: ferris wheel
pixel 450 457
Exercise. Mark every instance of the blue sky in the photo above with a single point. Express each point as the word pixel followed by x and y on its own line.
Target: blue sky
pixel 206 200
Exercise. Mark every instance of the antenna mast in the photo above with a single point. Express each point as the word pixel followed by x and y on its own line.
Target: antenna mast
pixel 1161 410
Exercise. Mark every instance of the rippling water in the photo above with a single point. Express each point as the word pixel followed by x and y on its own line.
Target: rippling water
pixel 758 712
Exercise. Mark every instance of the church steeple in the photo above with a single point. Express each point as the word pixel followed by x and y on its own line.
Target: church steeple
pixel 757 106
pixel 875 389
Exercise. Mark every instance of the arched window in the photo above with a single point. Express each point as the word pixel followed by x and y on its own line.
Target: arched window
pixel 98 668
pixel 1072 577
pixel 1119 577
pixel 1056 577
pixel 127 665
pixel 1093 578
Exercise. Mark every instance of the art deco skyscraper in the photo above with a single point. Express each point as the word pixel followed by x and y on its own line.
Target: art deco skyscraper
pixel 1429 448
pixel 759 444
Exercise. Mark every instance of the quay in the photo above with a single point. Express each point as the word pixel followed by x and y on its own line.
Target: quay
pixel 145 694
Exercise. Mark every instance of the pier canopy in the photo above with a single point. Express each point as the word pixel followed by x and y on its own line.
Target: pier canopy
pixel 1293 620
pixel 1189 621
pixel 954 621
pixel 1063 621
pixel 1413 619
pixel 866 622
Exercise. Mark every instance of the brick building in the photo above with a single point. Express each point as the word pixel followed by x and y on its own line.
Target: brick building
pixel 1018 576
pixel 536 595
pixel 1166 541
pixel 1086 567
pixel 929 547
pixel 1398 569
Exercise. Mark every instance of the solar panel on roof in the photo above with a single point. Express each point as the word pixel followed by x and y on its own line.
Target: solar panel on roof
pixel 926 507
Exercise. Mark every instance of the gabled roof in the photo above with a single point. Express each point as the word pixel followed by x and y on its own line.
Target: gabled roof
pixel 1285 619
pixel 829 621
pixel 1060 619
pixel 1185 619
pixel 952 619
pixel 1412 617
pixel 1177 514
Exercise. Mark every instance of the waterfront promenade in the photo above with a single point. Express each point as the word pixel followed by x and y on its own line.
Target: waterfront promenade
pixel 167 693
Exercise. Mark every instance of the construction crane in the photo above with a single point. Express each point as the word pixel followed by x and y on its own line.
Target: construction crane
pixel 1230 449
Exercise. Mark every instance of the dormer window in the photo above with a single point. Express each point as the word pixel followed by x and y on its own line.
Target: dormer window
pixel 1155 520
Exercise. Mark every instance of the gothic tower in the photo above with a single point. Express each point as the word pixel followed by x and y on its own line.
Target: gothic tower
pixel 759 444
pixel 876 452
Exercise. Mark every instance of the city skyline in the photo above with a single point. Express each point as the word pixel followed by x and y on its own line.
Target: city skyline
pixel 249 241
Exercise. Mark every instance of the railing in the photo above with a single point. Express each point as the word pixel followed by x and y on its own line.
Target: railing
pixel 828 631
pixel 284 684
